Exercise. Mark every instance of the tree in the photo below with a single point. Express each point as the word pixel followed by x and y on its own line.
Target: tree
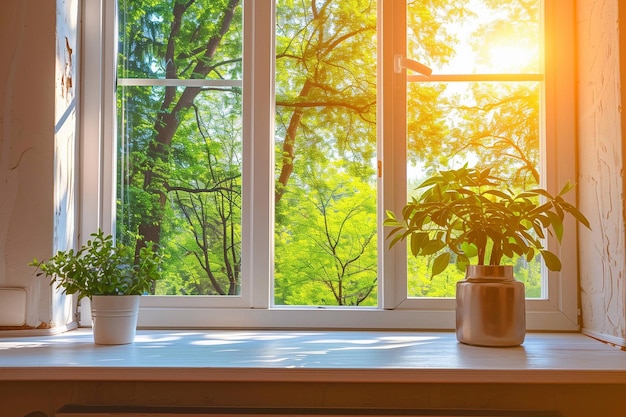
pixel 494 123
pixel 326 76
pixel 181 146
pixel 166 182
pixel 181 42
pixel 329 250
pixel 206 193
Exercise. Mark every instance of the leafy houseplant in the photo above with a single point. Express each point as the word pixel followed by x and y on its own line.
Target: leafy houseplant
pixel 105 272
pixel 471 215
pixel 102 268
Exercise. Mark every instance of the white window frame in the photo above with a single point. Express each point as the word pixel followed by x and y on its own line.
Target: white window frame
pixel 253 308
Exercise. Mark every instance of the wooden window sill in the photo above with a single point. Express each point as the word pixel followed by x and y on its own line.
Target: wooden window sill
pixel 311 356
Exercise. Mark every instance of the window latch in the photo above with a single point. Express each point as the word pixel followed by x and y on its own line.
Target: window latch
pixel 401 62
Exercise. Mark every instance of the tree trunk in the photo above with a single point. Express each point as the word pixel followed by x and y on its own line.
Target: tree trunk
pixel 167 122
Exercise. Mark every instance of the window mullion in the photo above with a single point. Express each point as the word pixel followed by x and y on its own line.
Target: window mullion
pixel 98 118
pixel 258 155
pixel 437 78
pixel 175 82
pixel 391 148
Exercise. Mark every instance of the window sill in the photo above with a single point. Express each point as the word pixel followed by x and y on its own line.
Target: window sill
pixel 311 356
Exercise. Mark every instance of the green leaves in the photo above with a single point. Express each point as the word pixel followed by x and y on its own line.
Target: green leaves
pixel 553 263
pixel 441 263
pixel 102 268
pixel 470 213
pixel 326 254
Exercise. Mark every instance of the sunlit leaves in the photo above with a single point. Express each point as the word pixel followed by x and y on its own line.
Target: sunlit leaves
pixel 100 267
pixel 157 35
pixel 490 123
pixel 182 148
pixel 326 253
pixel 469 212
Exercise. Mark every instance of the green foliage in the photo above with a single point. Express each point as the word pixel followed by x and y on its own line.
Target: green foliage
pixel 497 123
pixel 102 268
pixel 325 86
pixel 325 228
pixel 326 254
pixel 471 213
pixel 180 148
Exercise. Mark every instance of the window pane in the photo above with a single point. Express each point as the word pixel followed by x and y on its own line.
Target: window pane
pixel 476 36
pixel 486 124
pixel 170 39
pixel 483 123
pixel 325 220
pixel 179 144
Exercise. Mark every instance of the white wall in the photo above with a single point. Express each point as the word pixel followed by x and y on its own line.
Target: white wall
pixel 66 166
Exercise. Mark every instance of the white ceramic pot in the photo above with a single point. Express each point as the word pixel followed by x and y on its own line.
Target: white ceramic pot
pixel 490 307
pixel 114 318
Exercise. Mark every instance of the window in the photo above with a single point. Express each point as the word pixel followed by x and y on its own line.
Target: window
pixel 483 103
pixel 262 142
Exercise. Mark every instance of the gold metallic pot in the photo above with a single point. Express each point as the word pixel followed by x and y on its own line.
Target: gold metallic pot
pixel 490 307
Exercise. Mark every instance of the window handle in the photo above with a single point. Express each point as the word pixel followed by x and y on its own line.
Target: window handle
pixel 401 62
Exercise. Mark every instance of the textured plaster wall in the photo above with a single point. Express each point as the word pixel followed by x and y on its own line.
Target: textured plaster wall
pixel 26 146
pixel 37 146
pixel 601 164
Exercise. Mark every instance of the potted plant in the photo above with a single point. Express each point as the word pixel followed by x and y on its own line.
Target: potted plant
pixel 467 215
pixel 111 276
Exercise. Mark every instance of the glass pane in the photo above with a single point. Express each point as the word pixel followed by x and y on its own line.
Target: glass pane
pixel 168 39
pixel 483 124
pixel 476 36
pixel 325 219
pixel 179 148
pixel 486 124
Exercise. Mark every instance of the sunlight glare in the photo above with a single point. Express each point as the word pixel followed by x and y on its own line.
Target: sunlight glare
pixel 512 55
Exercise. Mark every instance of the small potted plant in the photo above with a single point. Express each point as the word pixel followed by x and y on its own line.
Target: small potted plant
pixel 111 276
pixel 467 215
